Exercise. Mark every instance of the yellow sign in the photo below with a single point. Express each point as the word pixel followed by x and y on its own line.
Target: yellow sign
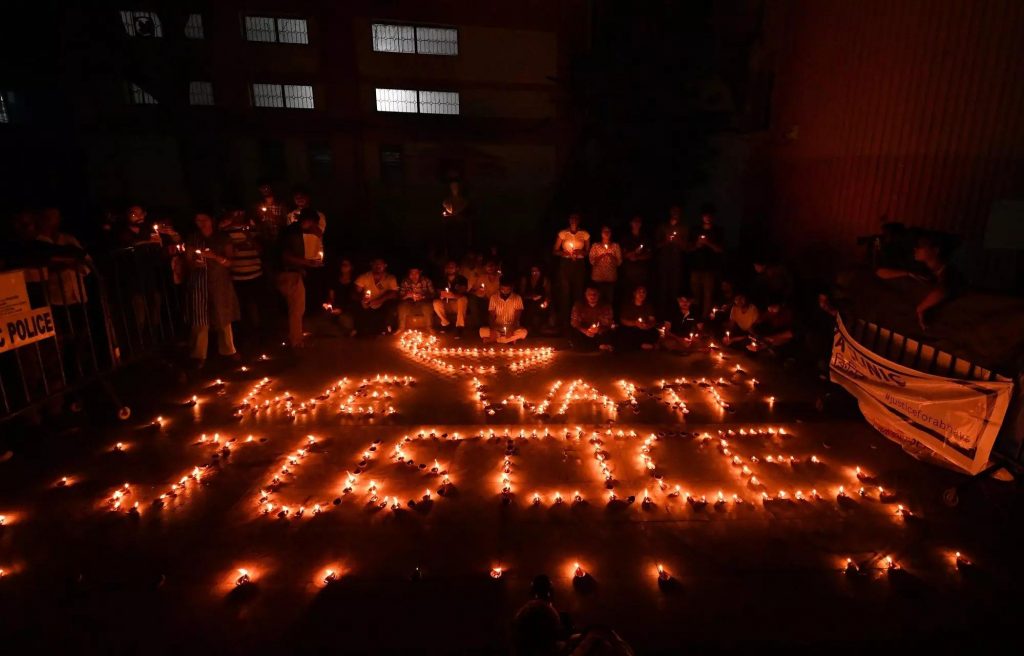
pixel 19 323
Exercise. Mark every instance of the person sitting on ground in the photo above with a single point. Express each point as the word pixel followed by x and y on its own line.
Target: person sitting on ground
pixel 681 329
pixel 378 295
pixel 742 318
pixel 341 298
pixel 591 323
pixel 538 629
pixel 416 298
pixel 504 311
pixel 774 328
pixel 535 288
pixel 771 281
pixel 605 259
pixel 638 327
pixel 451 298
pixel 483 287
pixel 942 279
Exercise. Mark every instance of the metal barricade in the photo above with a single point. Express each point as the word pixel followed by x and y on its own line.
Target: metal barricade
pixel 118 308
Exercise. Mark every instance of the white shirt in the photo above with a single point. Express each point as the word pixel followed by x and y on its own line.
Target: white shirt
pixel 312 244
pixel 573 242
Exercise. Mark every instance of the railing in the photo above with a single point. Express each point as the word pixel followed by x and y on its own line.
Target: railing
pixel 119 308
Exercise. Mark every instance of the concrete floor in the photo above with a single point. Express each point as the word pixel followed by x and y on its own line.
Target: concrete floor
pixel 79 574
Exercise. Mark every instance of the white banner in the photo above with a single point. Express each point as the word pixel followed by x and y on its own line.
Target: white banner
pixel 957 420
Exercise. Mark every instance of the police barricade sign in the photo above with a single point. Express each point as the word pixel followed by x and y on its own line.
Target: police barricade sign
pixel 956 420
pixel 21 324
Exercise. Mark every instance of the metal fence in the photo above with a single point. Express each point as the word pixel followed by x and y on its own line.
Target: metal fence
pixel 120 307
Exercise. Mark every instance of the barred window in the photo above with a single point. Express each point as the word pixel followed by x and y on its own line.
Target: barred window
pixel 141 23
pixel 139 96
pixel 393 38
pixel 397 100
pixel 194 27
pixel 415 39
pixel 291 96
pixel 298 96
pixel 4 116
pixel 439 102
pixel 200 93
pixel 437 41
pixel 410 101
pixel 276 30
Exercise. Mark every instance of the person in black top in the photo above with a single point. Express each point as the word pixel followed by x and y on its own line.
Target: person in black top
pixel 672 243
pixel 706 253
pixel 637 250
pixel 341 298
pixel 943 281
pixel 535 288
pixel 638 328
pixel 451 298
pixel 680 328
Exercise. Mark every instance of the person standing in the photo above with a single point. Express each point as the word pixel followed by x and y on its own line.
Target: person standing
pixel 504 310
pixel 313 245
pixel 292 268
pixel 571 246
pixel 672 242
pixel 605 259
pixel 246 265
pixel 707 252
pixel 210 301
pixel 456 229
pixel 636 255
pixel 268 215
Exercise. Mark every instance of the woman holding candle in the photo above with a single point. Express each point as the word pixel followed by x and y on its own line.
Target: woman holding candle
pixel 535 288
pixel 210 294
pixel 605 259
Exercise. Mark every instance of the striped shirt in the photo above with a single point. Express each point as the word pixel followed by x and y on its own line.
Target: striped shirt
pixel 245 255
pixel 505 309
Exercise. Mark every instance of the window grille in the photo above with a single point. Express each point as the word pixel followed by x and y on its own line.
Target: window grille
pixel 415 39
pixel 437 41
pixel 268 29
pixel 140 96
pixel 267 95
pixel 410 101
pixel 200 93
pixel 194 27
pixel 141 23
pixel 397 100
pixel 439 102
pixel 291 96
pixel 393 38
pixel 298 96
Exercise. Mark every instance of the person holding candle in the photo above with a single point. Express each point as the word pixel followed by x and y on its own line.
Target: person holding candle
pixel 451 298
pixel 591 323
pixel 680 330
pixel 292 268
pixel 416 298
pixel 571 246
pixel 638 327
pixel 504 310
pixel 535 288
pixel 483 287
pixel 636 255
pixel 672 243
pixel 246 271
pixel 341 298
pixel 268 214
pixel 210 300
pixel 742 318
pixel 455 221
pixel 378 294
pixel 605 259
pixel 313 244
pixel 774 329
pixel 706 254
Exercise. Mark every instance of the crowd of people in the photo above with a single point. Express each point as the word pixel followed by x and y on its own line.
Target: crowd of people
pixel 252 275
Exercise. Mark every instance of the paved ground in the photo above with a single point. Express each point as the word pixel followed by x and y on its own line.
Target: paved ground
pixel 83 570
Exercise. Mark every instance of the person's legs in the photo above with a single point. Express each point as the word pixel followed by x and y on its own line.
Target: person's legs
pixel 441 310
pixel 581 342
pixel 565 297
pixel 512 337
pixel 294 293
pixel 485 333
pixel 578 281
pixel 225 340
pixel 405 308
pixel 461 304
pixel 199 341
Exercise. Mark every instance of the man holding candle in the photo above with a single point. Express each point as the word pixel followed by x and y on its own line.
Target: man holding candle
pixel 504 311
pixel 639 329
pixel 292 269
pixel 707 252
pixel 681 329
pixel 267 214
pixel 313 244
pixel 636 255
pixel 672 243
pixel 535 288
pixel 571 246
pixel 416 295
pixel 378 294
pixel 482 288
pixel 591 323
pixel 451 298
